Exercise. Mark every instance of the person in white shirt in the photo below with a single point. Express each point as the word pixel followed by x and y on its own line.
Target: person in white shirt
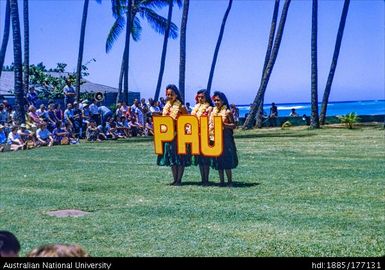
pixel 14 139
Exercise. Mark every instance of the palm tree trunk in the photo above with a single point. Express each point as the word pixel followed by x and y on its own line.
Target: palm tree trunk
pixel 164 50
pixel 269 68
pixel 126 56
pixel 182 63
pixel 218 46
pixel 333 66
pixel 120 87
pixel 26 46
pixel 19 93
pixel 314 120
pixel 81 48
pixel 267 57
pixel 7 19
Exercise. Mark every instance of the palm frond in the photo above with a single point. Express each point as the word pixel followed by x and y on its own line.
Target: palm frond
pixel 117 7
pixel 158 4
pixel 158 23
pixel 136 29
pixel 114 33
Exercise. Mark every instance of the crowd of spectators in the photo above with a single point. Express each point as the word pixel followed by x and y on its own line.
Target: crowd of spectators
pixel 48 125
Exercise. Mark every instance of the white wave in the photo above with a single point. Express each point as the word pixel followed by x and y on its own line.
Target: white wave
pixel 293 107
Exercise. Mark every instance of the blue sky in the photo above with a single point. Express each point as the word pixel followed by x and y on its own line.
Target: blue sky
pixel 55 30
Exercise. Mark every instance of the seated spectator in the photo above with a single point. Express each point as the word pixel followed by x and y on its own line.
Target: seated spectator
pixel 60 135
pixel 124 108
pixel 69 115
pixel 77 120
pixel 122 127
pixel 149 128
pixel 3 138
pixel 44 137
pixel 293 113
pixel 135 128
pixel 70 134
pixel 14 140
pixel 154 107
pixel 58 112
pixel 51 119
pixel 93 133
pixel 42 112
pixel 58 250
pixel 111 130
pixel 9 245
pixel 27 136
pixel 33 120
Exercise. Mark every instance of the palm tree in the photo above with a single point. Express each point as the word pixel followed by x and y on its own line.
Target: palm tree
pixel 267 57
pixel 164 50
pixel 4 44
pixel 218 46
pixel 333 66
pixel 18 66
pixel 26 46
pixel 269 68
pixel 81 47
pixel 314 120
pixel 182 56
pixel 126 14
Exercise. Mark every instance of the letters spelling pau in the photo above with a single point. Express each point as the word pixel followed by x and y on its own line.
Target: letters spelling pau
pixel 188 131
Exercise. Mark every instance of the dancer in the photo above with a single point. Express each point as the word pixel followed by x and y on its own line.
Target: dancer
pixel 229 159
pixel 203 107
pixel 174 108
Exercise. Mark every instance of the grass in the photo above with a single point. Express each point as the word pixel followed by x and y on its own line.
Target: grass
pixel 298 192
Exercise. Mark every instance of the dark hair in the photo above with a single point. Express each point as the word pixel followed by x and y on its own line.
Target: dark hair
pixel 176 91
pixel 223 97
pixel 207 96
pixel 8 242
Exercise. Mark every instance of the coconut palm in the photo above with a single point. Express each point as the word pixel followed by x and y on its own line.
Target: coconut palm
pixel 218 45
pixel 81 46
pixel 4 43
pixel 182 57
pixel 269 68
pixel 26 46
pixel 333 66
pixel 267 57
pixel 314 119
pixel 18 66
pixel 165 42
pixel 127 13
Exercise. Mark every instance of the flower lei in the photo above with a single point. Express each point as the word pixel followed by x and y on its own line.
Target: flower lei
pixel 172 109
pixel 216 112
pixel 200 109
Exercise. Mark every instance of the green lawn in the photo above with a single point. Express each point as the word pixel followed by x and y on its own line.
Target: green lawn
pixel 297 192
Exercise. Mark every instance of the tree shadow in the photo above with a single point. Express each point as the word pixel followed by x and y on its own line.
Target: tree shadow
pixel 235 184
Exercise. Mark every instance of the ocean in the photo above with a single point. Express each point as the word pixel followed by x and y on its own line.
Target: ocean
pixel 365 107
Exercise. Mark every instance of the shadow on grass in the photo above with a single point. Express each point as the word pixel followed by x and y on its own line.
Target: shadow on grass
pixel 274 135
pixel 236 184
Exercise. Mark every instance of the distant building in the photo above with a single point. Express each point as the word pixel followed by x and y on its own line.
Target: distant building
pixel 7 83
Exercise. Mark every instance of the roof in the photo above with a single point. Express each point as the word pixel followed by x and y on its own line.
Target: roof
pixel 7 82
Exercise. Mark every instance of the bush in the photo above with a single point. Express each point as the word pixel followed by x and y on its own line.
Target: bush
pixel 349 119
